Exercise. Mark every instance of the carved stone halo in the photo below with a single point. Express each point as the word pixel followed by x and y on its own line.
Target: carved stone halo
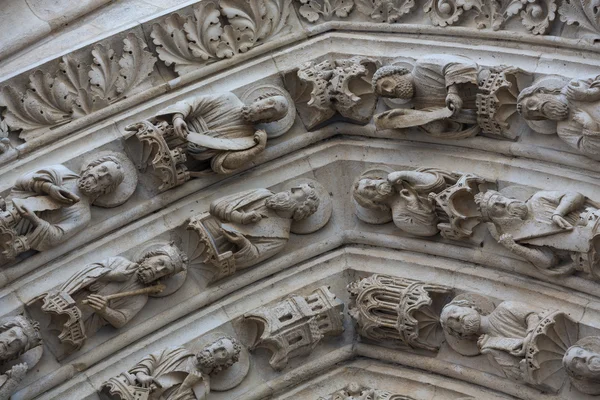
pixel 125 189
pixel 323 214
pixel 277 128
pixel 232 376
pixel 173 283
pixel 367 215
pixel 468 347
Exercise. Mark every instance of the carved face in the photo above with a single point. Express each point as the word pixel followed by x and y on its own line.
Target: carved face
pixel 544 106
pixel 582 364
pixel 219 355
pixel 369 192
pixel 101 178
pixel 301 201
pixel 12 342
pixel 460 321
pixel 396 86
pixel 505 207
pixel 155 267
pixel 271 109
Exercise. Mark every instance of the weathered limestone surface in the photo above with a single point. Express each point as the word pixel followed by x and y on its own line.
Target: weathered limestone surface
pixel 290 199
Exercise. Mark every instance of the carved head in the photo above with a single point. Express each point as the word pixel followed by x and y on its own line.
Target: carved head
pixel 101 176
pixel 461 319
pixel 373 193
pixel 494 205
pixel 219 355
pixel 582 364
pixel 18 335
pixel 301 201
pixel 270 107
pixel 543 103
pixel 393 81
pixel 165 261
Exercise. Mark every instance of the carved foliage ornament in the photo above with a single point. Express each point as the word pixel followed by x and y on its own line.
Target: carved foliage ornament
pixel 217 30
pixel 77 89
pixel 355 391
pixel 584 13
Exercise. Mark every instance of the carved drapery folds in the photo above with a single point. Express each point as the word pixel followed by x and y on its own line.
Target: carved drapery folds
pixel 524 342
pixel 243 229
pixel 322 90
pixel 77 89
pixel 386 308
pixel 296 325
pixel 176 373
pixel 49 206
pixel 355 391
pixel 218 30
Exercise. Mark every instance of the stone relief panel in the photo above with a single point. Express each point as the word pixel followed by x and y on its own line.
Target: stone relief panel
pixel 48 207
pixel 295 326
pixel 355 391
pixel 110 292
pixel 21 349
pixel 177 373
pixel 423 202
pixel 210 133
pixel 322 90
pixel 244 229
pixel 388 309
pixel 556 231
pixel 525 342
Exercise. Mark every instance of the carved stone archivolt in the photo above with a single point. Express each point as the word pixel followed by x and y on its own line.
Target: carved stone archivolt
pixel 47 207
pixel 295 326
pixel 110 292
pixel 178 374
pixel 389 309
pixel 20 350
pixel 217 133
pixel 246 228
pixel 423 202
pixel 355 391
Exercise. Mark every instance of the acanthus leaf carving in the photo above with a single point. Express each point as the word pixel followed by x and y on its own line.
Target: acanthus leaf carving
pixel 312 10
pixel 204 31
pixel 104 73
pixel 385 10
pixel 136 65
pixel 585 13
pixel 4 140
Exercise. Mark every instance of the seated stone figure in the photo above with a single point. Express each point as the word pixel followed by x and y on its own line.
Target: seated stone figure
pixel 417 200
pixel 569 109
pixel 556 231
pixel 175 373
pixel 49 206
pixel 18 335
pixel 209 132
pixel 243 229
pixel 111 292
pixel 582 363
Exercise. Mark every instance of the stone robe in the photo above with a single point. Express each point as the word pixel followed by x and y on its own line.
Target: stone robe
pixel 111 276
pixel 267 237
pixel 218 116
pixel 60 224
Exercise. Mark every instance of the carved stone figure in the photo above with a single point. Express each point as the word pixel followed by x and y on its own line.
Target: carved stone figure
pixel 526 343
pixel 421 202
pixel 20 350
pixel 556 231
pixel 209 133
pixel 321 90
pixel 452 97
pixel 49 206
pixel 403 310
pixel 246 228
pixel 111 292
pixel 176 373
pixel 296 325
pixel 582 363
pixel 569 108
pixel 354 391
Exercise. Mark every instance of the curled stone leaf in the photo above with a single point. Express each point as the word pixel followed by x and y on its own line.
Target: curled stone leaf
pixel 136 65
pixel 204 31
pixel 584 13
pixel 104 73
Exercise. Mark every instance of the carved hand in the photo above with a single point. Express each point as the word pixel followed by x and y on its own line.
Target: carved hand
pixel 454 102
pixel 260 137
pixel 252 217
pixel 180 126
pixel 507 240
pixel 236 238
pixel 18 371
pixel 62 195
pixel 28 214
pixel 577 90
pixel 561 222
pixel 97 302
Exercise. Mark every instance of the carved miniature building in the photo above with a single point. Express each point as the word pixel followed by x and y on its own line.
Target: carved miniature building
pixel 300 199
